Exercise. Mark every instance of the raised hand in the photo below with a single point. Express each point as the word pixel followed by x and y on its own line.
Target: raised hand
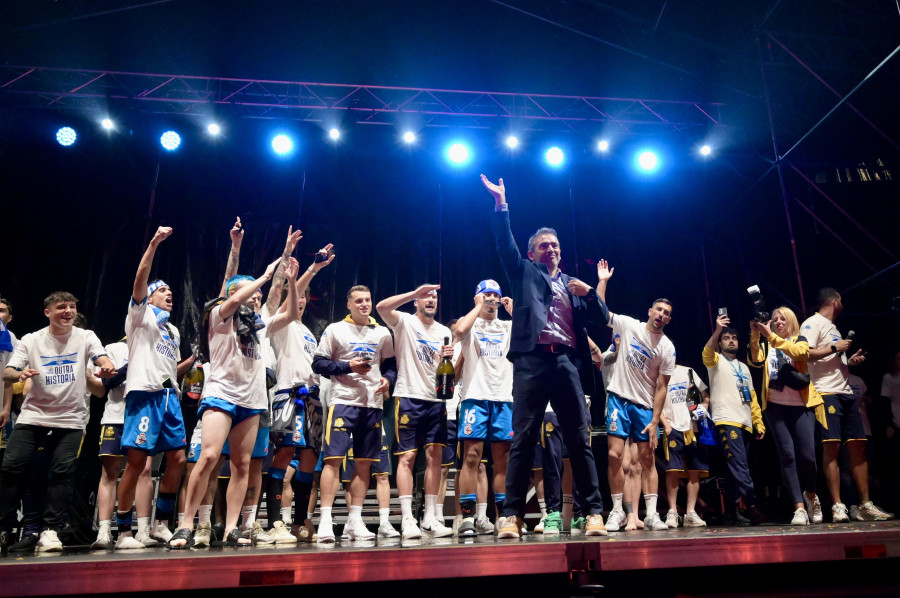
pixel 324 257
pixel 604 272
pixel 162 233
pixel 293 237
pixel 291 268
pixel 722 322
pixel 237 232
pixel 270 269
pixel 497 190
pixel 763 328
pixel 507 303
pixel 425 290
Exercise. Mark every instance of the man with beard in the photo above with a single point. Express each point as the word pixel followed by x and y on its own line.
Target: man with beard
pixel 736 413
pixel 421 420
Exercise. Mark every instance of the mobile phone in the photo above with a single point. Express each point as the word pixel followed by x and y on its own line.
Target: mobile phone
pixel 723 311
pixel 321 256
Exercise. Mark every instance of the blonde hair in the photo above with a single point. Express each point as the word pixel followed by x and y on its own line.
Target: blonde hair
pixel 790 317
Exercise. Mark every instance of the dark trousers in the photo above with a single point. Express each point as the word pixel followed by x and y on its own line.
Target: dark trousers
pixel 61 446
pixel 539 378
pixel 734 443
pixel 794 431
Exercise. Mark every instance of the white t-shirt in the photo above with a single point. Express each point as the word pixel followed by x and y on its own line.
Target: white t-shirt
pixel 726 403
pixel 829 374
pixel 858 387
pixel 152 350
pixel 786 396
pixel 236 373
pixel 676 408
pixel 487 373
pixel 453 404
pixel 294 347
pixel 890 388
pixel 58 393
pixel 418 349
pixel 114 410
pixel 342 341
pixel 644 356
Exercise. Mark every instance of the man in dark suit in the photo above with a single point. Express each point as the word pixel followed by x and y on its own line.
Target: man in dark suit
pixel 552 317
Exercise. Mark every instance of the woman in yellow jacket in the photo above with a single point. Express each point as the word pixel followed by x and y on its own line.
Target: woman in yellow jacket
pixel 791 405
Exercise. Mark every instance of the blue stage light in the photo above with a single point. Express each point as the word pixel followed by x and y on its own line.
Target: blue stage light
pixel 458 153
pixel 705 150
pixel 214 129
pixel 512 142
pixel 647 161
pixel 66 136
pixel 282 144
pixel 107 124
pixel 409 137
pixel 603 145
pixel 335 134
pixel 170 141
pixel 554 156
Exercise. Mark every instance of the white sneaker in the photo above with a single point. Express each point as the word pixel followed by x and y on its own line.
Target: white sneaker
pixel 160 532
pixel 143 536
pixel 202 535
pixel 692 519
pixel 508 527
pixel 279 534
pixel 256 533
pixel 672 519
pixel 869 512
pixel 653 523
pixel 615 521
pixel 409 529
pixel 128 543
pixel 49 542
pixel 801 517
pixel 539 528
pixel 839 513
pixel 104 539
pixel 484 527
pixel 436 529
pixel 457 521
pixel 325 534
pixel 813 509
pixel 356 530
pixel 386 530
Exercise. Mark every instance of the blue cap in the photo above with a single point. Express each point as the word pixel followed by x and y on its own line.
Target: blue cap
pixel 488 286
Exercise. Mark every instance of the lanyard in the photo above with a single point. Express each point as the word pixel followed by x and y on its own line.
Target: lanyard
pixel 737 372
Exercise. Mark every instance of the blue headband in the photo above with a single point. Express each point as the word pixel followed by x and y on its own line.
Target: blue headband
pixel 154 286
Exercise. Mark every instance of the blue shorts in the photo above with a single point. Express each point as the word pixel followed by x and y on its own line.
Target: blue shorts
pixel 260 447
pixel 684 458
pixel 485 420
pixel 296 436
pixel 319 465
pixel 625 419
pixel 236 412
pixel 193 450
pixel 111 440
pixel 450 456
pixel 380 467
pixel 844 419
pixel 359 428
pixel 419 423
pixel 153 421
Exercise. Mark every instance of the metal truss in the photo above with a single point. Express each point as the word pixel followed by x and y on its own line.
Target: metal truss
pixel 92 90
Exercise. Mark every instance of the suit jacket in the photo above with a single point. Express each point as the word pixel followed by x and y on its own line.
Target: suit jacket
pixel 532 296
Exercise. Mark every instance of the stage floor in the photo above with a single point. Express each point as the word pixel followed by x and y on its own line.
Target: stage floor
pixel 81 571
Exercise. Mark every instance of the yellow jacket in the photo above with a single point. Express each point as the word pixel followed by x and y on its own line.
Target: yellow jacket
pixel 798 351
pixel 711 361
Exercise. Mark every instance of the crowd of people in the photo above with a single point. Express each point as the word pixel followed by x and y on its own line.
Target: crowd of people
pixel 263 403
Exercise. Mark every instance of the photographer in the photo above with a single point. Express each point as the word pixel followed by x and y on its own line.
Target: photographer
pixel 792 406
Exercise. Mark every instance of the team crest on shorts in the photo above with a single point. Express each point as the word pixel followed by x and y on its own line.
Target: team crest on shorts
pixel 192 453
pixel 296 437
pixel 404 419
pixel 377 425
pixel 468 430
pixel 672 444
pixel 613 427
pixel 110 432
pixel 734 435
pixel 384 448
pixel 141 439
pixel 339 422
pixel 832 410
pixel 549 427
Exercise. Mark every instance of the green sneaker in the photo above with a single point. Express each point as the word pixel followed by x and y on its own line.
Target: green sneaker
pixel 578 526
pixel 552 524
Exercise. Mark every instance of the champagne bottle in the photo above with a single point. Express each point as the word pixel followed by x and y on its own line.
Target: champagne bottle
pixel 694 397
pixel 192 384
pixel 446 377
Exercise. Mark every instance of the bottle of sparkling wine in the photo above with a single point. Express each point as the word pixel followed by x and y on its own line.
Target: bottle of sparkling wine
pixel 694 397
pixel 446 377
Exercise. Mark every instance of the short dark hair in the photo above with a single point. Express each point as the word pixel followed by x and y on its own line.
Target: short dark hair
pixel 7 303
pixel 729 330
pixel 358 287
pixel 59 297
pixel 825 295
pixel 544 230
pixel 662 300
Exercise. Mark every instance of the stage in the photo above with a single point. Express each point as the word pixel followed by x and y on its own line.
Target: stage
pixel 739 558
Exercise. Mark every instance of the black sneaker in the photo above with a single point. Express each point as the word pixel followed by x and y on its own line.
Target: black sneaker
pixel 755 516
pixel 736 519
pixel 26 544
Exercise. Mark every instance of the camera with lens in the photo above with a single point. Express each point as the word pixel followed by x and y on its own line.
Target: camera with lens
pixel 759 305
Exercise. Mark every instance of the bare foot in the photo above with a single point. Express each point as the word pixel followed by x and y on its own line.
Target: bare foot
pixel 631 523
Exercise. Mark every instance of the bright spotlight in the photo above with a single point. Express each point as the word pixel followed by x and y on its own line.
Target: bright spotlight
pixel 458 153
pixel 214 129
pixel 107 124
pixel 409 137
pixel 170 140
pixel 66 136
pixel 282 144
pixel 335 134
pixel 512 142
pixel 603 145
pixel 554 156
pixel 705 150
pixel 647 160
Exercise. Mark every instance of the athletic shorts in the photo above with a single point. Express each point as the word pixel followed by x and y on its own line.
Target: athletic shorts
pixel 485 420
pixel 625 419
pixel 844 419
pixel 419 423
pixel 111 440
pixel 359 428
pixel 260 446
pixel 236 412
pixel 153 421
pixel 683 458
pixel 450 456
pixel 380 467
pixel 193 452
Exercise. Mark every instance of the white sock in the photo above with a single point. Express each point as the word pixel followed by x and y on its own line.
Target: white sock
pixel 143 524
pixel 309 515
pixel 384 515
pixel 105 523
pixel 439 512
pixel 543 506
pixel 406 506
pixel 480 510
pixel 249 515
pixel 204 514
pixel 617 502
pixel 355 513
pixel 286 515
pixel 325 515
pixel 430 501
pixel 650 504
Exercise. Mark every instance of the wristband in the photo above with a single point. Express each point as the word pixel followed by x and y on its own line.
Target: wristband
pixel 311 271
